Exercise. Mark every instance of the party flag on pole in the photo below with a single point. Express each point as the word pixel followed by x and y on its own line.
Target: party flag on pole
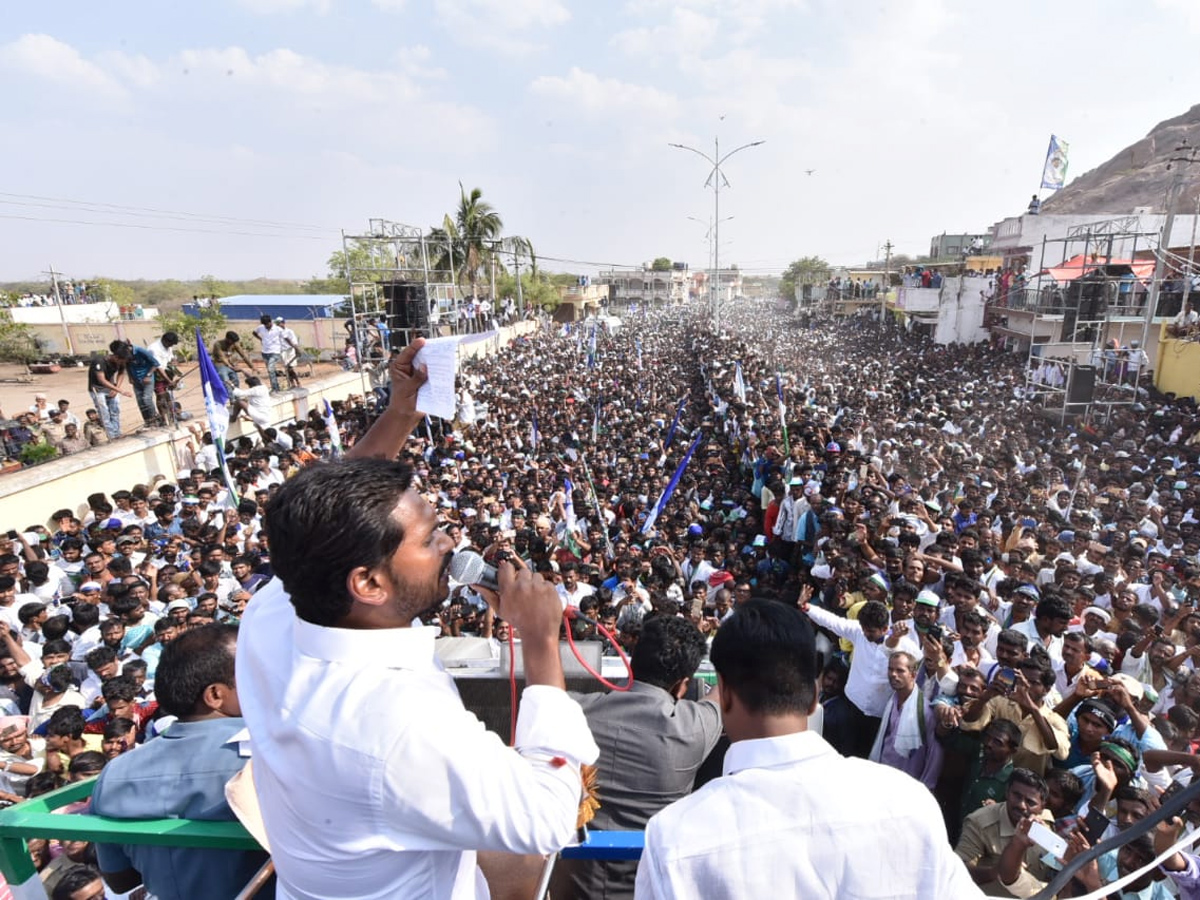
pixel 671 485
pixel 215 400
pixel 782 413
pixel 335 434
pixel 739 385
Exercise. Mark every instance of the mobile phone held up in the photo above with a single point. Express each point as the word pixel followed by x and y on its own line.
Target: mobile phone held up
pixel 1004 680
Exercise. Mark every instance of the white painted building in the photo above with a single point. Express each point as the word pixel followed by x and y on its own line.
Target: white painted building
pixel 646 285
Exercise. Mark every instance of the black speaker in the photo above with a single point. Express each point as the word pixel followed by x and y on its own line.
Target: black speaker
pixel 407 306
pixel 1082 388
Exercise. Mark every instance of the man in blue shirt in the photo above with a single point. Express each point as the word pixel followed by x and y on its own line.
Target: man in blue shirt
pixel 182 774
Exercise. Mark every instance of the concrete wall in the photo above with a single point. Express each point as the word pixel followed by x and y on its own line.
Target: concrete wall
pixel 1178 368
pixel 323 334
pixel 960 312
pixel 30 495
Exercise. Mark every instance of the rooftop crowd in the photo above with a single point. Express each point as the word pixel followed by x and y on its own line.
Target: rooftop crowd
pixel 1006 606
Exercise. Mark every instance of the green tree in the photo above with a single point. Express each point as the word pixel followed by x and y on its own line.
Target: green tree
pixel 661 264
pixel 468 238
pixel 212 322
pixel 17 342
pixel 113 291
pixel 805 270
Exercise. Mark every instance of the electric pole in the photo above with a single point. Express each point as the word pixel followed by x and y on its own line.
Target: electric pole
pixel 62 318
pixel 887 277
pixel 1187 156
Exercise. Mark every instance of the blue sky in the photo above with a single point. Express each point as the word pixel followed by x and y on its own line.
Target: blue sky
pixel 282 122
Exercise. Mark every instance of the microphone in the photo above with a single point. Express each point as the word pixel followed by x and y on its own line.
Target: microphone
pixel 468 567
pixel 571 613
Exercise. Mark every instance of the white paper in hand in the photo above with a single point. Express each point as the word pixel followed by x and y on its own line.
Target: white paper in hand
pixel 437 396
pixel 439 357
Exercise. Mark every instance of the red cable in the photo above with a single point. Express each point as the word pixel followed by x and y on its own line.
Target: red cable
pixel 621 653
pixel 512 671
pixel 512 688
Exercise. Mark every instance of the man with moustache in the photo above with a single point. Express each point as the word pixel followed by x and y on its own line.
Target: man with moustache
pixel 374 780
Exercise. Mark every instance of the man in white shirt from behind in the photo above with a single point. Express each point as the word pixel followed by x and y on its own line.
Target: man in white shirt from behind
pixel 373 779
pixel 878 836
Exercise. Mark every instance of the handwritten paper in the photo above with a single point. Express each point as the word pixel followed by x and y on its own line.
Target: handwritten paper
pixel 437 396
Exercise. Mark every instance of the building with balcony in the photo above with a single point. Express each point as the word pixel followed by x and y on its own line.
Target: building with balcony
pixel 646 285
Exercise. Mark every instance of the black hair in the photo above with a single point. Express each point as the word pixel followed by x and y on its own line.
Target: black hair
pixel 311 554
pixel 85 615
pixel 75 879
pixel 669 649
pixel 765 652
pixel 119 688
pixel 1069 785
pixel 873 615
pixel 120 727
pixel 30 611
pixel 1008 728
pixel 100 656
pixel 89 762
pixel 60 678
pixel 196 659
pixel 56 646
pixel 1052 608
pixel 1029 779
pixel 66 721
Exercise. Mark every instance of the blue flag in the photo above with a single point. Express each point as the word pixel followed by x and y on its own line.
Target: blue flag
pixel 637 342
pixel 216 399
pixel 782 413
pixel 671 485
pixel 569 504
pixel 335 434
pixel 535 436
pixel 591 358
pixel 674 423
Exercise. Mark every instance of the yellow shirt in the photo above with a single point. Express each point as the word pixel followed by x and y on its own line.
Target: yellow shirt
pixel 1032 754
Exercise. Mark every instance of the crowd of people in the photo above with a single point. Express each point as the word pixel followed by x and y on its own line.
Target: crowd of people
pixel 1005 607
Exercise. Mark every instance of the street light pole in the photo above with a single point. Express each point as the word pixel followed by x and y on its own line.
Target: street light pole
pixel 716 176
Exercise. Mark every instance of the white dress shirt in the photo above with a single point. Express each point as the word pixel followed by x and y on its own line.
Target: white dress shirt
pixel 867 685
pixel 784 833
pixel 375 782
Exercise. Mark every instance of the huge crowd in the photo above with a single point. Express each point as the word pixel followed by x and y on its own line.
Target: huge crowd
pixel 1007 604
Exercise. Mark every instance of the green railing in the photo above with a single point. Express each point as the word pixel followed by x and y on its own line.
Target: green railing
pixel 37 818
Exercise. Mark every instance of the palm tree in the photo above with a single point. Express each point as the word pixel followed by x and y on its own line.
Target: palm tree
pixel 472 232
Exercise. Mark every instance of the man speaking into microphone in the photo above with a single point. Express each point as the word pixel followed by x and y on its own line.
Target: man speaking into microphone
pixel 374 780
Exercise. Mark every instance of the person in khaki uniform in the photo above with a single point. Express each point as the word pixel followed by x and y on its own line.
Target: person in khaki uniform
pixel 987 831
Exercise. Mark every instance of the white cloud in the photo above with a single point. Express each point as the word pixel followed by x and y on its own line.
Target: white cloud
pixel 588 92
pixel 509 27
pixel 1184 9
pixel 49 59
pixel 687 32
pixel 271 7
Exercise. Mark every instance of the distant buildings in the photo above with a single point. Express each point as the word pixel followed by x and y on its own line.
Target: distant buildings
pixel 646 285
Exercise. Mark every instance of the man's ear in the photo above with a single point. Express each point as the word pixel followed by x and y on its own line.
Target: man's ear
pixel 367 585
pixel 726 696
pixel 220 697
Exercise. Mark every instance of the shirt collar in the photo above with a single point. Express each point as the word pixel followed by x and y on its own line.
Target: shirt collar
pixel 766 753
pixel 390 648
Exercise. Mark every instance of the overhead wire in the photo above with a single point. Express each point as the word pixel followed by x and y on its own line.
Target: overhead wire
pixel 144 227
pixel 157 213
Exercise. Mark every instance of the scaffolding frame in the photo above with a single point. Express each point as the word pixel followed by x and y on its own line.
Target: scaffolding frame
pixel 1052 366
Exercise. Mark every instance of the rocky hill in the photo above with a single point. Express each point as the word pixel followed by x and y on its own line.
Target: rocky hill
pixel 1137 176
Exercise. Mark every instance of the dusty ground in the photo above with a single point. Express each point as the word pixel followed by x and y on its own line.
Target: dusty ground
pixel 17 389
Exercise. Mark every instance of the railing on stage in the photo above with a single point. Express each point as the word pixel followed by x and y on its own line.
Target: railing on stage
pixel 39 818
